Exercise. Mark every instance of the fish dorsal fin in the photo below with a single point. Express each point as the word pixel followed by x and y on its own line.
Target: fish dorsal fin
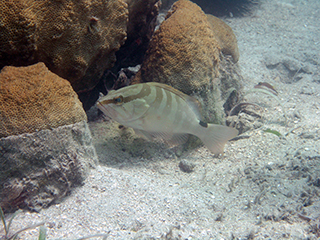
pixel 193 103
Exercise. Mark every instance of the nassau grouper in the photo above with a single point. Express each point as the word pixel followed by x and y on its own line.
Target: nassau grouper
pixel 156 110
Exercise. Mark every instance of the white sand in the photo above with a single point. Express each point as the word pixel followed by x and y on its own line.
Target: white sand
pixel 255 190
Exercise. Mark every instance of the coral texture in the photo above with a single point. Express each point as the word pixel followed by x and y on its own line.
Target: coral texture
pixel 33 98
pixel 225 36
pixel 75 39
pixel 183 52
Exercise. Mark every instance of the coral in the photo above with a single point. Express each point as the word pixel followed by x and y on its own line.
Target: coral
pixel 75 39
pixel 225 36
pixel 183 52
pixel 141 24
pixel 33 98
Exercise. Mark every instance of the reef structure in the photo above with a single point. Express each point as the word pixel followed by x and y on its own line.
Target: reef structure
pixel 45 144
pixel 77 40
pixel 186 52
pixel 33 98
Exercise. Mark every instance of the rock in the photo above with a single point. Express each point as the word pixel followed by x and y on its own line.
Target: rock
pixel 142 21
pixel 33 98
pixel 142 18
pixel 244 122
pixel 289 69
pixel 141 24
pixel 186 166
pixel 40 168
pixel 185 53
pixel 75 39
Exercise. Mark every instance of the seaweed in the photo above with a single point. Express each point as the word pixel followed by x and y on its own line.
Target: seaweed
pixel 42 229
pixel 268 130
pixel 104 236
pixel 8 236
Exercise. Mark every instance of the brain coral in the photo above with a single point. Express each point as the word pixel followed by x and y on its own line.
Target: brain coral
pixel 183 52
pixel 225 36
pixel 75 39
pixel 33 98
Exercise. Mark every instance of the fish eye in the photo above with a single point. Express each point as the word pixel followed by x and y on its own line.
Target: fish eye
pixel 118 100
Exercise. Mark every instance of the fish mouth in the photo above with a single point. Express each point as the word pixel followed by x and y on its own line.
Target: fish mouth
pixel 107 110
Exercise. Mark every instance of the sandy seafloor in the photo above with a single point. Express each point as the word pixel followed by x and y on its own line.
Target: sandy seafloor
pixel 256 190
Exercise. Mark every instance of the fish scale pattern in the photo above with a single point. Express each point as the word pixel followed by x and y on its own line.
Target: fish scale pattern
pixel 33 98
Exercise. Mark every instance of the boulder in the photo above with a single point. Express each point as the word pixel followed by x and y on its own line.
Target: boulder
pixel 38 169
pixel 45 144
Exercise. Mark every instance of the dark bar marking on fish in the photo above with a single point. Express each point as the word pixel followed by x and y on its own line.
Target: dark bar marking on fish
pixel 203 124
pixel 145 91
pixel 167 110
pixel 158 98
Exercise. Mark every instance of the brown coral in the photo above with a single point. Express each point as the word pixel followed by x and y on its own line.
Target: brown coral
pixel 183 52
pixel 33 98
pixel 75 39
pixel 225 36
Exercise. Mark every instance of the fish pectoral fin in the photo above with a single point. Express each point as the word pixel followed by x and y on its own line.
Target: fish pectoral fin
pixel 168 138
pixel 140 107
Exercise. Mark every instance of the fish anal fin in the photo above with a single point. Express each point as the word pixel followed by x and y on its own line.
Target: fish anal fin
pixel 168 138
pixel 143 134
pixel 177 139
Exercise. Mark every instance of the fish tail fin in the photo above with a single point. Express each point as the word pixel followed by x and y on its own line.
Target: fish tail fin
pixel 216 136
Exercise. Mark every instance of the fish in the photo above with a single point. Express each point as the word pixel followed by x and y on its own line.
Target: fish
pixel 159 111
